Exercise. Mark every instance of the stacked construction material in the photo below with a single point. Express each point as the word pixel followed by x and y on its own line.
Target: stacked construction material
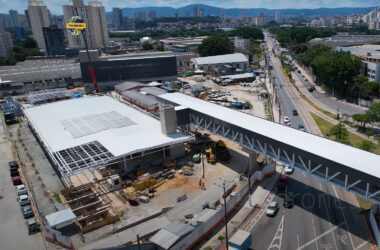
pixel 143 181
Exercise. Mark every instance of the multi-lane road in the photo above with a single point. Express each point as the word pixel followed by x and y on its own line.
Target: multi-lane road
pixel 324 217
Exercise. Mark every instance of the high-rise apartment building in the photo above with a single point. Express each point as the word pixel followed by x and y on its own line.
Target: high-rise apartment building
pixel 54 40
pixel 6 44
pixel 39 18
pixel 222 13
pixel 94 15
pixel 117 18
pixel 15 19
pixel 278 17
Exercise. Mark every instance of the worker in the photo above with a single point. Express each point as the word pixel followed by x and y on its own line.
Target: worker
pixel 203 186
pixel 200 183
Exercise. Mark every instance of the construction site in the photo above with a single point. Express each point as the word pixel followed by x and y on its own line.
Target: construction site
pixel 117 167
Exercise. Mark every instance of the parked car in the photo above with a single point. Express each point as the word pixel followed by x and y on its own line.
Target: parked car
pixel 310 89
pixel 33 226
pixel 13 164
pixel 272 209
pixel 295 113
pixel 228 92
pixel 14 172
pixel 16 180
pixel 23 200
pixel 289 169
pixel 286 119
pixel 27 212
pixel 290 125
pixel 282 182
pixel 301 128
pixel 21 190
pixel 289 200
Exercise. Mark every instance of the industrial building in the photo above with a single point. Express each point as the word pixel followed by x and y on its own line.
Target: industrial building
pixel 35 75
pixel 139 68
pixel 222 65
pixel 181 44
pixel 370 54
pixel 91 132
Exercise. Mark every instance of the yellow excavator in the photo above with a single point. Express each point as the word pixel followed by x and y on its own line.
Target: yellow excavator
pixel 211 157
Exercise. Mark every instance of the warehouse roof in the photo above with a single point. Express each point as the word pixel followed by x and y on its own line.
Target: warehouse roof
pixel 229 58
pixel 140 98
pixel 49 95
pixel 153 91
pixel 82 133
pixel 129 85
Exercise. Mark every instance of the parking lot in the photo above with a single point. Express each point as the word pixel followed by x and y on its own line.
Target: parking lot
pixel 14 233
pixel 244 93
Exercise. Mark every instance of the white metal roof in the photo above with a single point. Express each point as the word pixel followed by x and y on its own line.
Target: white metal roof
pixel 143 132
pixel 239 237
pixel 60 218
pixel 229 58
pixel 346 155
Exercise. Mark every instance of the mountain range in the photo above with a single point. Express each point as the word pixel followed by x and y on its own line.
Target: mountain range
pixel 234 12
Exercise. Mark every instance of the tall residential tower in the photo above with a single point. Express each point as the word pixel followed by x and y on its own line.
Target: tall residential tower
pixel 94 15
pixel 39 18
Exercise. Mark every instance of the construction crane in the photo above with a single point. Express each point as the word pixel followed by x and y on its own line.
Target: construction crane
pixel 90 67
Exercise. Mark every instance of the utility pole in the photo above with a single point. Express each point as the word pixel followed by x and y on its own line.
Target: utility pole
pixel 224 185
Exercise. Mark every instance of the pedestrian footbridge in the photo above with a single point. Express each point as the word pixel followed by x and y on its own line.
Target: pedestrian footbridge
pixel 350 168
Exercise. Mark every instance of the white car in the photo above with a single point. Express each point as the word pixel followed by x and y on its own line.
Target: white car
pixel 290 125
pixel 272 209
pixel 228 92
pixel 286 119
pixel 23 200
pixel 21 190
pixel 289 169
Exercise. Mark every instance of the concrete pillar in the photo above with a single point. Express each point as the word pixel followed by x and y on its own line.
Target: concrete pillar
pixel 168 120
pixel 252 161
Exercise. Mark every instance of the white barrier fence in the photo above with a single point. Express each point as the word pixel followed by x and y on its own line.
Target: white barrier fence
pixel 56 237
pixel 207 227
pixel 375 227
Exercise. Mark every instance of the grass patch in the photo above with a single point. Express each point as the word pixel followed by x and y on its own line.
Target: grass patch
pixel 268 110
pixel 121 214
pixel 207 248
pixel 57 197
pixel 352 139
pixel 363 203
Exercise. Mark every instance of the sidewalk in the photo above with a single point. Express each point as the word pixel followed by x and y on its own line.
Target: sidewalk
pixel 249 213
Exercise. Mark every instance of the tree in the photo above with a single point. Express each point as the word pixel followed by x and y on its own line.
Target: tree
pixel 147 45
pixel 339 131
pixel 374 112
pixel 216 45
pixel 363 119
pixel 367 145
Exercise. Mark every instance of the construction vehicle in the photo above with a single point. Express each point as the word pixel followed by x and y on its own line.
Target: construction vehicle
pixel 221 151
pixel 211 157
pixel 130 194
pixel 98 91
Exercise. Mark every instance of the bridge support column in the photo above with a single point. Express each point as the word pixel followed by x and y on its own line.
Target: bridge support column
pixel 252 162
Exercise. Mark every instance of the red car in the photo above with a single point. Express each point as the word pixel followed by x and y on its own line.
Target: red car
pixel 282 182
pixel 16 180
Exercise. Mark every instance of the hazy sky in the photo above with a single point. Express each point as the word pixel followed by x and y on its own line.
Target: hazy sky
pixel 55 5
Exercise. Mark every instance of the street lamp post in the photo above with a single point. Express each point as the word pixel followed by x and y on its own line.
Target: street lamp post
pixel 224 185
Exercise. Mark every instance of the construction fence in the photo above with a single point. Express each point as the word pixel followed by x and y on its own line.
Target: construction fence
pixel 211 224
pixel 374 224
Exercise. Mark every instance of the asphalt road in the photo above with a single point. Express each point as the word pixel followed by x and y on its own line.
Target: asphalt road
pixel 324 217
pixel 331 102
pixel 320 219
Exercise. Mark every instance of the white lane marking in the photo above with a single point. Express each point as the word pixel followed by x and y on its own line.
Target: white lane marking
pixel 328 215
pixel 277 240
pixel 320 236
pixel 361 245
pixel 344 217
pixel 298 240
